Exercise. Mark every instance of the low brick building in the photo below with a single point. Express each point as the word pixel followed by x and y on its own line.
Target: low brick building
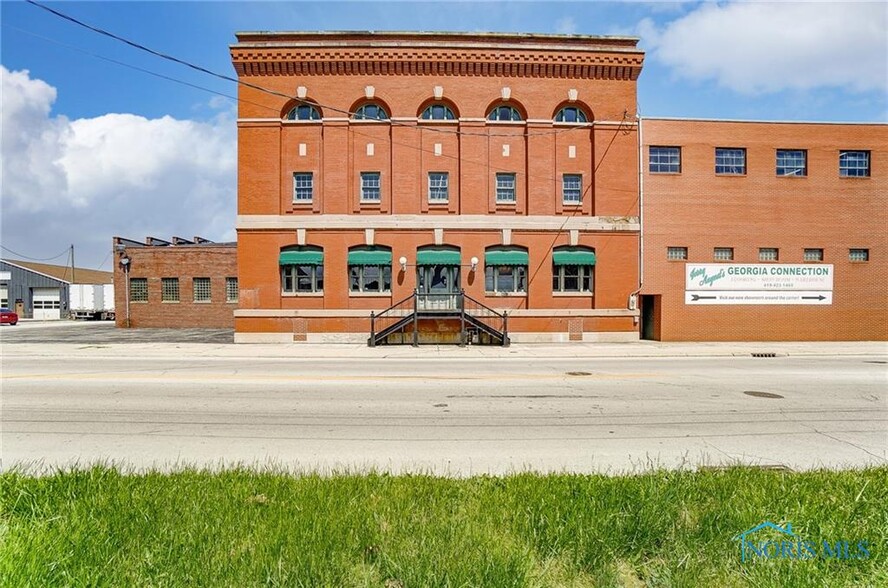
pixel 176 283
pixel 764 231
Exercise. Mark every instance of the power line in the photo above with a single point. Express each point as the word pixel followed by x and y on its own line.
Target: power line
pixel 271 92
pixel 65 252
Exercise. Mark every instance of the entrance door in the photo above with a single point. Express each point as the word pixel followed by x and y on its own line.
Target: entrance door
pixel 650 317
pixel 47 304
pixel 438 287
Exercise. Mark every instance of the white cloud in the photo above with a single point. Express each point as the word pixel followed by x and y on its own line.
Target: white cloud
pixel 566 26
pixel 83 181
pixel 773 46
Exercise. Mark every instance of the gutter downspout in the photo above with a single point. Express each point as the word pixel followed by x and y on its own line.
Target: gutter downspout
pixel 633 297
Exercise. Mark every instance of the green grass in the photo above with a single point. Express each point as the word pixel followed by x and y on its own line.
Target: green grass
pixel 100 527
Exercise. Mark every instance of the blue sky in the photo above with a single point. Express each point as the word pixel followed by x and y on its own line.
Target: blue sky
pixel 90 122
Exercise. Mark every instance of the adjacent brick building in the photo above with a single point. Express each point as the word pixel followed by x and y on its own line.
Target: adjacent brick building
pixel 502 164
pixel 176 283
pixel 774 204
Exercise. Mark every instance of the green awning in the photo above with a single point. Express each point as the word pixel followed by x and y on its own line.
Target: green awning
pixel 573 256
pixel 370 256
pixel 309 257
pixel 437 257
pixel 505 257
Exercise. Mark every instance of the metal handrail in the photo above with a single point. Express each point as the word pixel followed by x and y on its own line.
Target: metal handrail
pixel 387 315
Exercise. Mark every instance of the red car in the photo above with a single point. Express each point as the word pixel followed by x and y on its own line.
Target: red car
pixel 7 316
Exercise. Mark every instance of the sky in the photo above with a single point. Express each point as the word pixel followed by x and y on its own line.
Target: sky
pixel 98 142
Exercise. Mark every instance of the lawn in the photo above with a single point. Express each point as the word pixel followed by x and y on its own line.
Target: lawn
pixel 101 527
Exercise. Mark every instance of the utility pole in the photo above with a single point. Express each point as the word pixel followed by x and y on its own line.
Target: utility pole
pixel 72 263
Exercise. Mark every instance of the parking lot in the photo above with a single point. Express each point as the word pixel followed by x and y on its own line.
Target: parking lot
pixel 99 332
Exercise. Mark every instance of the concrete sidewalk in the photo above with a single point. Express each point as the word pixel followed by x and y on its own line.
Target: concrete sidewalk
pixel 433 352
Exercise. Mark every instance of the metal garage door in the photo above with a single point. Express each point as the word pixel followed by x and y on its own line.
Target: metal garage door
pixel 47 306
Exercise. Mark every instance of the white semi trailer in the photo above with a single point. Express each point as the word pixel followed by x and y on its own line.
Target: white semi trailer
pixel 91 301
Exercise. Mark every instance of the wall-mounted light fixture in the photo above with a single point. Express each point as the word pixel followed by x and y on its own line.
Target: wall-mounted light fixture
pixel 403 262
pixel 474 262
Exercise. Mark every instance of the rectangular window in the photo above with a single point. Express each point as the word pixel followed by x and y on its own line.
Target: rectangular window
pixel 813 255
pixel 138 289
pixel 572 278
pixel 664 160
pixel 505 278
pixel 854 164
pixel 370 187
pixel 169 289
pixel 201 289
pixel 438 187
pixel 768 254
pixel 505 188
pixel 231 291
pixel 723 254
pixel 676 253
pixel 572 188
pixel 370 278
pixel 792 162
pixel 302 278
pixel 858 254
pixel 303 186
pixel 730 161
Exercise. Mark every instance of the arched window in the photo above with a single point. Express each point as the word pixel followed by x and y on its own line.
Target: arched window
pixel 370 111
pixel 571 114
pixel 573 269
pixel 370 269
pixel 505 112
pixel 302 269
pixel 437 111
pixel 304 112
pixel 505 270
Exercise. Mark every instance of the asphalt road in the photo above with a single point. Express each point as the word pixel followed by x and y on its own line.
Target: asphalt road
pixel 453 415
pixel 102 332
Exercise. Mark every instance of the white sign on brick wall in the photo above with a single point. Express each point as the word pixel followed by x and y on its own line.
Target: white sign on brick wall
pixel 734 283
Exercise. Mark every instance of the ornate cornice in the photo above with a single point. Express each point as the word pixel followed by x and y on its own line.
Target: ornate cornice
pixel 264 54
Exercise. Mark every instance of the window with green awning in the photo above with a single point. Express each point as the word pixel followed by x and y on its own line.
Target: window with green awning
pixel 512 256
pixel 573 256
pixel 313 256
pixel 437 256
pixel 370 256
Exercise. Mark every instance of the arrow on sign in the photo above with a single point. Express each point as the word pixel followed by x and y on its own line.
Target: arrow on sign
pixel 696 297
pixel 821 297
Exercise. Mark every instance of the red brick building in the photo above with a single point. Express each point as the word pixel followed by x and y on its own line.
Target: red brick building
pixel 764 231
pixel 176 283
pixel 373 165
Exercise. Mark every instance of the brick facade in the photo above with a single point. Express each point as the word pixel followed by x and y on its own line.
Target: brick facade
pixel 471 74
pixel 701 210
pixel 217 261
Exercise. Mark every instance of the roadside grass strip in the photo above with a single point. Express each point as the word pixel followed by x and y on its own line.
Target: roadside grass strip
pixel 244 527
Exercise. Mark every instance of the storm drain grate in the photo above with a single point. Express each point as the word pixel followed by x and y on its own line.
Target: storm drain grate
pixel 759 394
pixel 769 354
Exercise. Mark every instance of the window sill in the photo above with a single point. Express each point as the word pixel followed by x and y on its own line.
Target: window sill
pixel 302 203
pixel 677 260
pixel 370 202
pixel 231 302
pixel 302 294
pixel 506 294
pixel 169 301
pixel 727 175
pixel 572 295
pixel 854 177
pixel 202 301
pixel 439 203
pixel 572 204
pixel 386 294
pixel 793 176
pixel 662 173
pixel 288 121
